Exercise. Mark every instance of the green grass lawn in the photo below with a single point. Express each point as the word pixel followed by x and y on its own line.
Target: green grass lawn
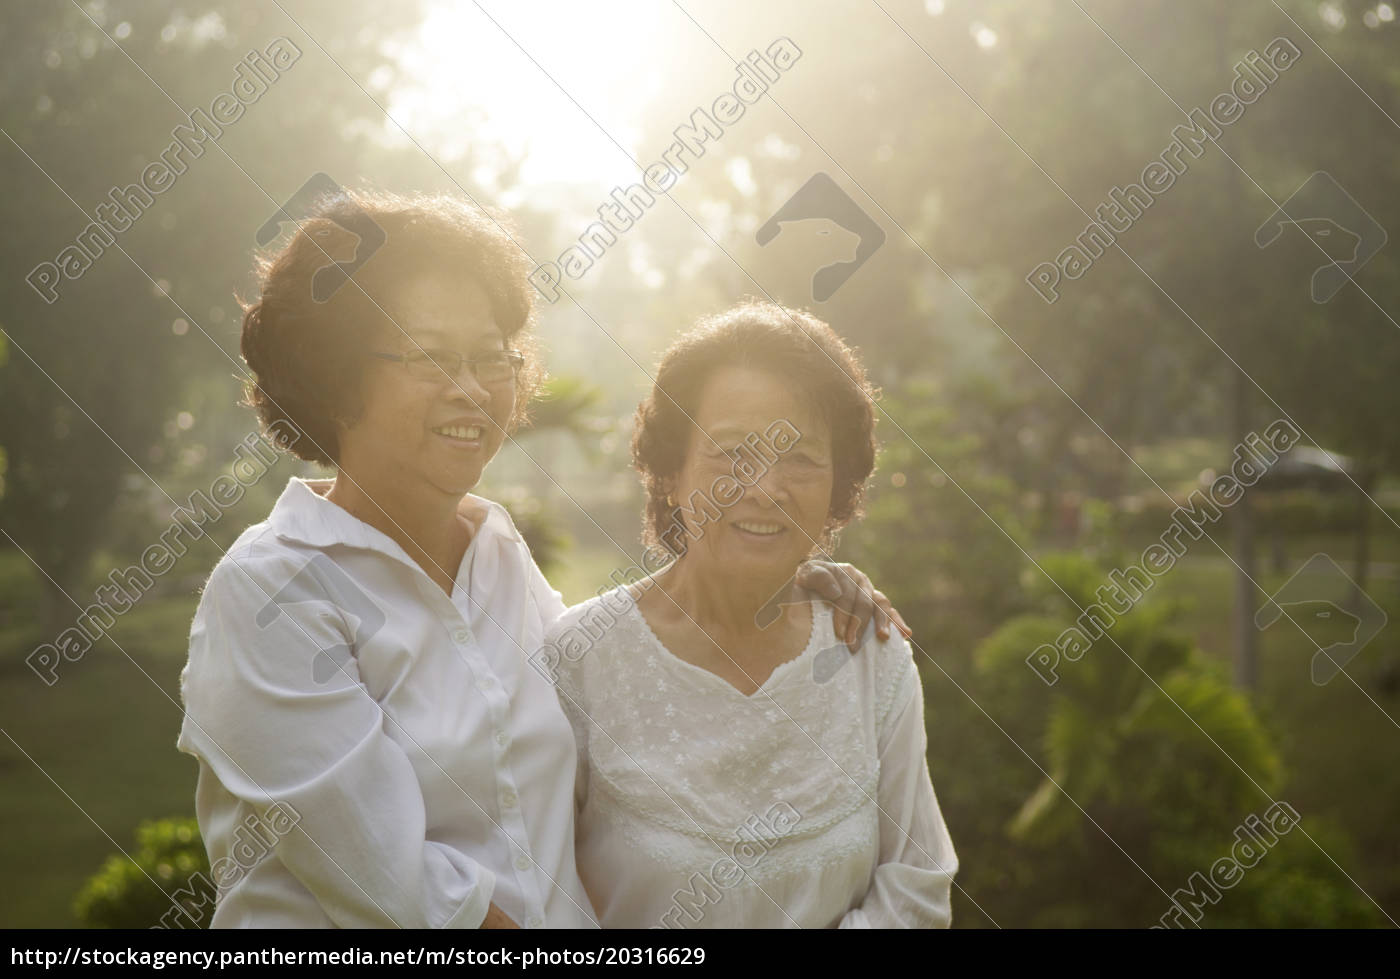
pixel 104 734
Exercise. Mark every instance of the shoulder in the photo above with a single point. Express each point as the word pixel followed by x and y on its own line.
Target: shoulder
pixel 257 552
pixel 258 566
pixel 891 657
pixel 239 628
pixel 490 517
pixel 894 675
pixel 886 661
pixel 603 612
pixel 588 636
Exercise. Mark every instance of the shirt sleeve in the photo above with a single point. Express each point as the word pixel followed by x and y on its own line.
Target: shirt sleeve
pixel 568 677
pixel 548 599
pixel 275 708
pixel 912 884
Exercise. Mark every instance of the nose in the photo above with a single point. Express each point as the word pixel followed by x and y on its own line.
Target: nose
pixel 771 489
pixel 465 389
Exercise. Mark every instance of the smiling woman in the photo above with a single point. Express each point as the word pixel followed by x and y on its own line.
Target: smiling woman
pixel 359 660
pixel 356 659
pixel 310 356
pixel 761 341
pixel 695 711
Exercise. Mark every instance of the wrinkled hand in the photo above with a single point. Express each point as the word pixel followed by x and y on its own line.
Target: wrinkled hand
pixel 854 600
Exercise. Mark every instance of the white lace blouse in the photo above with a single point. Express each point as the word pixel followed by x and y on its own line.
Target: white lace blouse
pixel 807 804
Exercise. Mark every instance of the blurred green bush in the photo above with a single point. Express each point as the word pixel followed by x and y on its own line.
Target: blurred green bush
pixel 165 881
pixel 1151 758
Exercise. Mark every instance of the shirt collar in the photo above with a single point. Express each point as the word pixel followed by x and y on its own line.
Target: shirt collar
pixel 303 514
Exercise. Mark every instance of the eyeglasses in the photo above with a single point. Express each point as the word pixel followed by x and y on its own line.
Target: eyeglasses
pixel 489 367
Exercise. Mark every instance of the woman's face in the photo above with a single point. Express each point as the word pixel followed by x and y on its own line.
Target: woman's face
pixel 438 429
pixel 774 524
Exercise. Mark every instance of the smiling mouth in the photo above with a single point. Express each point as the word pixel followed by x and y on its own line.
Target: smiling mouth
pixel 460 433
pixel 756 528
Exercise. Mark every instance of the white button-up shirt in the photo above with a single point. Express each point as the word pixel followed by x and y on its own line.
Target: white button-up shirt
pixel 373 753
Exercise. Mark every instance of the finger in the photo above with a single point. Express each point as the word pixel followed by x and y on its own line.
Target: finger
pixel 883 615
pixel 816 577
pixel 903 627
pixel 863 612
pixel 841 623
pixel 855 578
pixel 882 623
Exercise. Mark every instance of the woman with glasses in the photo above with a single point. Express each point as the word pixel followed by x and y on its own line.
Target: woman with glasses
pixel 373 748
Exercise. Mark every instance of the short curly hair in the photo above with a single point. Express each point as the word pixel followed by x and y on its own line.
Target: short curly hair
pixel 308 355
pixel 789 343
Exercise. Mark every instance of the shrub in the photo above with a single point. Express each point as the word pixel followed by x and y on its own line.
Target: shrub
pixel 1151 762
pixel 167 870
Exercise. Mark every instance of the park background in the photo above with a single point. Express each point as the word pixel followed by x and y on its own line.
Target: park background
pixel 1030 447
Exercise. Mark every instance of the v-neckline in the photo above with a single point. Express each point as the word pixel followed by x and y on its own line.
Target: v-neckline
pixel 819 610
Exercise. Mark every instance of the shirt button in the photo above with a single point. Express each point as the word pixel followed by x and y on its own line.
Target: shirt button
pixel 486 682
pixel 462 635
pixel 502 738
pixel 534 921
pixel 522 862
pixel 508 798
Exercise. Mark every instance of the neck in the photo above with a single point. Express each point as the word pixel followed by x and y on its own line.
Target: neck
pixel 720 597
pixel 421 519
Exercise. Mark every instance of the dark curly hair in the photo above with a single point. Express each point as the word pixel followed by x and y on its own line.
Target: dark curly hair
pixel 308 356
pixel 791 344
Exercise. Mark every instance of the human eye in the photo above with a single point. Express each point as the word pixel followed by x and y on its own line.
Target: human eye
pixel 807 462
pixel 448 360
pixel 432 362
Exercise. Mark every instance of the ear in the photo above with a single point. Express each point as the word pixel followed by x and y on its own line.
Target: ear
pixel 345 420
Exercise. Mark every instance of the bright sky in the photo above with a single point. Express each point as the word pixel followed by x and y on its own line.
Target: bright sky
pixel 468 83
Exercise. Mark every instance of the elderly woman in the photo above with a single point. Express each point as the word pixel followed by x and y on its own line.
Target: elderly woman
pixel 373 748
pixel 736 766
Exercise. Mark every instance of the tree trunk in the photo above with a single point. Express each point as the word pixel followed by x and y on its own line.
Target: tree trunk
pixel 1242 544
pixel 1242 524
pixel 56 611
pixel 1362 553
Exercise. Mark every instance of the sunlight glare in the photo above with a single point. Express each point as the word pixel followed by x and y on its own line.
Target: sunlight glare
pixel 467 91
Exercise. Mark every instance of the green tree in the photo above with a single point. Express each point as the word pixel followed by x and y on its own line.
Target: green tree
pixel 1152 761
pixel 95 379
